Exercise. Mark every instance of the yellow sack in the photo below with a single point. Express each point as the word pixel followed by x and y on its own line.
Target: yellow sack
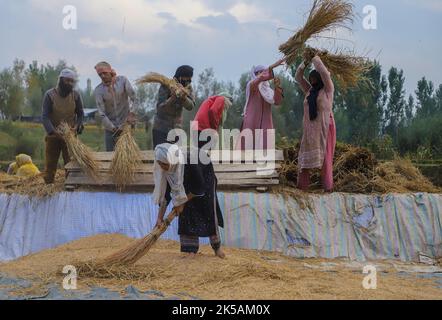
pixel 23 159
pixel 28 170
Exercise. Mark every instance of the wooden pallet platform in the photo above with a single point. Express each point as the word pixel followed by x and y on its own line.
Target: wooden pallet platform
pixel 234 170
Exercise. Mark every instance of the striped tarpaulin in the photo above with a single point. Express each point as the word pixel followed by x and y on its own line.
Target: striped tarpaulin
pixel 358 227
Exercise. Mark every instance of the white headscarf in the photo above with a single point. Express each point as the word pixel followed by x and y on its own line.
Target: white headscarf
pixel 68 73
pixel 265 90
pixel 171 154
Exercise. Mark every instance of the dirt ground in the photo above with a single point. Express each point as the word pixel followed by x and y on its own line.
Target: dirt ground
pixel 244 274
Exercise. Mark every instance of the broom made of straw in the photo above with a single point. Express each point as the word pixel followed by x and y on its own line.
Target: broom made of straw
pixel 136 251
pixel 349 70
pixel 79 152
pixel 325 15
pixel 153 77
pixel 133 253
pixel 127 158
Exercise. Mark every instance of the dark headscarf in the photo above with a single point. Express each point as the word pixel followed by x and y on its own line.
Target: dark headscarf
pixel 184 72
pixel 314 93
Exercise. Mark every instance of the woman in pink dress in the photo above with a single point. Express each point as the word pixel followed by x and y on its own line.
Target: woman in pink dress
pixel 258 108
pixel 319 136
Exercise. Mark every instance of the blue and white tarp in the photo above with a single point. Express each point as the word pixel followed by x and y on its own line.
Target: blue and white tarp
pixel 357 227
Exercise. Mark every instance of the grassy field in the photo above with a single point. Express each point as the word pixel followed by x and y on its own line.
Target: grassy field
pixel 19 137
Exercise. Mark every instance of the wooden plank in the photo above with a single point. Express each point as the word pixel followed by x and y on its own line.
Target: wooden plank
pixel 223 156
pixel 216 156
pixel 148 177
pixel 251 179
pixel 148 167
pixel 143 182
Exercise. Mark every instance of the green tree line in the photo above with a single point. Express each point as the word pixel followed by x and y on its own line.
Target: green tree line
pixel 380 116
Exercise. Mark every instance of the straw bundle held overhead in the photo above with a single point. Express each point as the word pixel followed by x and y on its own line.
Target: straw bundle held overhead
pixel 78 151
pixel 348 70
pixel 126 159
pixel 324 16
pixel 153 77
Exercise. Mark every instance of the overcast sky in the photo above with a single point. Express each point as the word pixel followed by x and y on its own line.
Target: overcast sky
pixel 137 36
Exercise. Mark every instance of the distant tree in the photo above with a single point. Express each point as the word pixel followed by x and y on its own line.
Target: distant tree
pixel 359 110
pixel 439 99
pixel 395 111
pixel 12 91
pixel 409 111
pixel 426 103
pixel 88 95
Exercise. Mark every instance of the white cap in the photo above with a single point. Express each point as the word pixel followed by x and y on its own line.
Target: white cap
pixel 68 73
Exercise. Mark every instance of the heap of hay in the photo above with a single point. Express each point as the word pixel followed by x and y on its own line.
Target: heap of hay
pixel 126 160
pixel 325 15
pixel 356 170
pixel 348 70
pixel 128 256
pixel 153 77
pixel 246 274
pixel 34 187
pixel 78 151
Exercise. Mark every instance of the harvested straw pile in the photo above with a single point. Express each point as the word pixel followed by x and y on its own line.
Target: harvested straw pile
pixel 348 70
pixel 246 274
pixel 356 170
pixel 34 187
pixel 153 77
pixel 78 151
pixel 400 175
pixel 126 160
pixel 126 257
pixel 325 15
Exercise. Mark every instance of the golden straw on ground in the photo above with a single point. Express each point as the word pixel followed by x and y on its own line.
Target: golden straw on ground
pixel 78 151
pixel 129 255
pixel 153 77
pixel 324 16
pixel 126 160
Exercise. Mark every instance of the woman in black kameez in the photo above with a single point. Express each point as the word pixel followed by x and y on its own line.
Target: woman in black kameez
pixel 192 190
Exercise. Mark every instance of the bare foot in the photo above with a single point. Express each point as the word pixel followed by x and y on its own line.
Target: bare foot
pixel 220 254
pixel 188 255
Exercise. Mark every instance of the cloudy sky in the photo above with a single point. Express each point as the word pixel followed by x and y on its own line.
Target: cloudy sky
pixel 138 36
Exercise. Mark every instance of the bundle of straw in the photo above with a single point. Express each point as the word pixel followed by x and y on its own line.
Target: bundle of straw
pixel 153 77
pixel 348 70
pixel 126 159
pixel 325 15
pixel 78 151
pixel 133 253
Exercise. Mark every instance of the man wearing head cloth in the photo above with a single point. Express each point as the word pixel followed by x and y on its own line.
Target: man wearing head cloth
pixel 115 98
pixel 60 104
pixel 169 113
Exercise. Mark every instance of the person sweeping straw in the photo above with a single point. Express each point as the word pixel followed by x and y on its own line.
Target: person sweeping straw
pixel 211 115
pixel 192 190
pixel 319 130
pixel 258 108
